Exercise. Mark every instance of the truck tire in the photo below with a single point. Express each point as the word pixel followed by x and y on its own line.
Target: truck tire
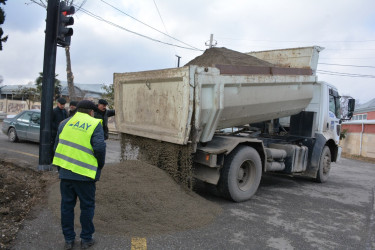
pixel 241 174
pixel 324 165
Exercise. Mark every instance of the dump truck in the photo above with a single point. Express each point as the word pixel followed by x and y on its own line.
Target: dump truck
pixel 240 119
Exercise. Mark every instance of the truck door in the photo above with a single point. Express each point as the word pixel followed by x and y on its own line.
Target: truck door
pixel 333 122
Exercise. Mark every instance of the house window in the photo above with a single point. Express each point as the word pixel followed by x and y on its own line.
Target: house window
pixel 360 117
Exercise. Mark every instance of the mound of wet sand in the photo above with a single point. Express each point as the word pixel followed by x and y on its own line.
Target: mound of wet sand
pixel 134 198
pixel 214 55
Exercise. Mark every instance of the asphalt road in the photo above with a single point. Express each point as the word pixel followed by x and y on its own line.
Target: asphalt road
pixel 286 213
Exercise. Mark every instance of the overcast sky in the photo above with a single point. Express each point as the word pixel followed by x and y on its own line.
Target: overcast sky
pixel 346 28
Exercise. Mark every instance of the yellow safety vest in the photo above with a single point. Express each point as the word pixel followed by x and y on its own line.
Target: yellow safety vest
pixel 74 151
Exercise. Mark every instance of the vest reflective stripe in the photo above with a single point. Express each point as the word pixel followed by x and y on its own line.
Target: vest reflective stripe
pixel 74 151
pixel 76 162
pixel 76 146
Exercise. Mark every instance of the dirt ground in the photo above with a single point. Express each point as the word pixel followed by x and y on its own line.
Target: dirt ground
pixel 133 198
pixel 20 189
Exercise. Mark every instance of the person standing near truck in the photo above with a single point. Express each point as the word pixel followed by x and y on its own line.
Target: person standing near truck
pixel 58 115
pixel 72 108
pixel 79 156
pixel 103 113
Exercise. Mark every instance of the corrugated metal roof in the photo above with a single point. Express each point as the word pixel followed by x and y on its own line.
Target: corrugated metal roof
pixel 95 88
pixel 92 90
pixel 9 89
pixel 368 106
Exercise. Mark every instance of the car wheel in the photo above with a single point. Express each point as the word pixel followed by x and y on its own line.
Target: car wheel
pixel 12 135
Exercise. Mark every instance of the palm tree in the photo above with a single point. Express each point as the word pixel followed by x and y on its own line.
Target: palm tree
pixel 57 87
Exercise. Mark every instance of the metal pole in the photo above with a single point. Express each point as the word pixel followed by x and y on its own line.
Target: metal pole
pixel 178 61
pixel 45 148
pixel 211 40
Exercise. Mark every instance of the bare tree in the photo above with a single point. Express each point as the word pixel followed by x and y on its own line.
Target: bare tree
pixel 69 72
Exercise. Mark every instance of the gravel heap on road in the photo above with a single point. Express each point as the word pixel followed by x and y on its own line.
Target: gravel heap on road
pixel 134 198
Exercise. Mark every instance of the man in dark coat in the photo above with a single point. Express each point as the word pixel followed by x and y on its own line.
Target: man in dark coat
pixel 59 114
pixel 103 113
pixel 72 108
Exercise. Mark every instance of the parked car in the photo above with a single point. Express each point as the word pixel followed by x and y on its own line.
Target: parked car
pixel 24 126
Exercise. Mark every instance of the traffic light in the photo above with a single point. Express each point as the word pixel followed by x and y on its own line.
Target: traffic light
pixel 63 32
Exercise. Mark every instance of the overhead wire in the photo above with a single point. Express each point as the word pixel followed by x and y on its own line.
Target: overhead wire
pixel 193 48
pixel 133 32
pixel 292 41
pixel 326 72
pixel 347 65
pixel 114 7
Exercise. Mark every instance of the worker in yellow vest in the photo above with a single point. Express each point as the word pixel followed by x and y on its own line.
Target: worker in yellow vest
pixel 79 156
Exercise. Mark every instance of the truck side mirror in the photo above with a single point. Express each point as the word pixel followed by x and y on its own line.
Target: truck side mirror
pixel 351 106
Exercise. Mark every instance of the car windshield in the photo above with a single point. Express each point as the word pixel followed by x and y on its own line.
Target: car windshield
pixel 25 117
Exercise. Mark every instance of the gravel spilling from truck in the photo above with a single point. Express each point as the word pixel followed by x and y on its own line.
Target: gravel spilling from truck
pixel 174 159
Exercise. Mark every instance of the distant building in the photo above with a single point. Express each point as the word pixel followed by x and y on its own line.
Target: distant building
pixel 360 135
pixel 10 91
pixel 83 91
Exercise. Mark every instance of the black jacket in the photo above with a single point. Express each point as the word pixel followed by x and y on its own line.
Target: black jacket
pixel 58 116
pixel 72 112
pixel 104 116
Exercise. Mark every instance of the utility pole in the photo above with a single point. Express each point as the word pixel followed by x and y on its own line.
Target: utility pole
pixel 49 63
pixel 211 43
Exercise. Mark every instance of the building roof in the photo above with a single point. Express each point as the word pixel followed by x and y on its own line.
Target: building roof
pixel 95 88
pixel 83 90
pixel 11 89
pixel 366 107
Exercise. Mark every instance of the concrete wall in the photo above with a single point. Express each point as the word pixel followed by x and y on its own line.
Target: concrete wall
pixel 360 138
pixel 13 107
pixel 352 144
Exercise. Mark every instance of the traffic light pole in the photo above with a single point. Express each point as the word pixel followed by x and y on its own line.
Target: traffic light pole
pixel 45 147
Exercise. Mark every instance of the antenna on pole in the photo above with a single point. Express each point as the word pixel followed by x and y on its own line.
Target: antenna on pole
pixel 211 43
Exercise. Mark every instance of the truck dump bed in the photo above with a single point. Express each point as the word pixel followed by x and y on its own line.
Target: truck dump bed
pixel 190 103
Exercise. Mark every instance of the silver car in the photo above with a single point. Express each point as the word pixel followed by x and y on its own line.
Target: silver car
pixel 24 126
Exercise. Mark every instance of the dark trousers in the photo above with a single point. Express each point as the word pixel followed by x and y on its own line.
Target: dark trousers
pixel 85 191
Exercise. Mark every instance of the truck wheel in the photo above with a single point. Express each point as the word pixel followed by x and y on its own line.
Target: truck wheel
pixel 12 135
pixel 240 176
pixel 324 165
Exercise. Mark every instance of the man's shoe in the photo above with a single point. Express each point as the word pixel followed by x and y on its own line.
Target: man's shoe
pixel 69 245
pixel 87 244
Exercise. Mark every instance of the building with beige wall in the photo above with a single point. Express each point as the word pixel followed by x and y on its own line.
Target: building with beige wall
pixel 360 131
